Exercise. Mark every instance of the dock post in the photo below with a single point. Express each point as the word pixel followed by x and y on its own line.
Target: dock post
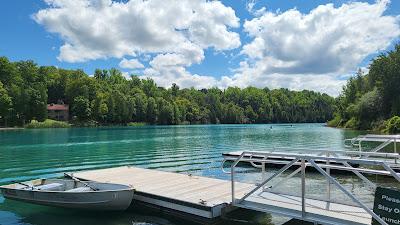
pixel 263 174
pixel 233 183
pixel 328 171
pixel 395 150
pixel 303 187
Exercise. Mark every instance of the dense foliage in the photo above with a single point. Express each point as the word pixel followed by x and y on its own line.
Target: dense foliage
pixel 368 100
pixel 392 125
pixel 109 98
pixel 47 124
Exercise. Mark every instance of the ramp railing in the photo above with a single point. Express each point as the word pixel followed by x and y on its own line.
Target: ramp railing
pixel 387 157
pixel 385 139
pixel 302 161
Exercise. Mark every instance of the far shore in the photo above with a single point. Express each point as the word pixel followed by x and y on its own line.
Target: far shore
pixel 11 128
pixel 132 124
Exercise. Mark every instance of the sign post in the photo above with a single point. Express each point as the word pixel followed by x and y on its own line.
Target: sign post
pixel 387 206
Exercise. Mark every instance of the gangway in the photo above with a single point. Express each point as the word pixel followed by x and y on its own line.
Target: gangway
pixel 282 156
pixel 265 197
pixel 385 140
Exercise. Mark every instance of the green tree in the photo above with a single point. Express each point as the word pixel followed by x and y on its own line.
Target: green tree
pixel 369 99
pixel 151 112
pixel 174 89
pixel 250 114
pixel 5 104
pixel 141 107
pixel 100 108
pixel 108 97
pixel 149 87
pixel 366 109
pixel 233 114
pixel 81 108
pixel 165 111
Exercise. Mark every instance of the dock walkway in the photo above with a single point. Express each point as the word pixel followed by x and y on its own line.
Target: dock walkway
pixel 207 197
pixel 317 210
pixel 200 196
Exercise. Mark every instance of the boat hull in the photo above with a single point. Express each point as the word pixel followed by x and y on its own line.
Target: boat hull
pixel 115 200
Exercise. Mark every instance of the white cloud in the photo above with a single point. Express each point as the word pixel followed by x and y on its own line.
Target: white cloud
pixel 130 64
pixel 167 75
pixel 126 75
pixel 326 40
pixel 186 56
pixel 296 50
pixel 93 29
pixel 250 7
pixel 288 49
pixel 254 76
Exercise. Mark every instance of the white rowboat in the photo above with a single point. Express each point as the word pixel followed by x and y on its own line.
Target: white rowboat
pixel 71 193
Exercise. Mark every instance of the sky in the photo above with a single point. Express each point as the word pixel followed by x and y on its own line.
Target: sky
pixel 296 44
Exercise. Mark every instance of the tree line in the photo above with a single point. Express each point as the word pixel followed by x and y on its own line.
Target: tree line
pixel 371 100
pixel 108 97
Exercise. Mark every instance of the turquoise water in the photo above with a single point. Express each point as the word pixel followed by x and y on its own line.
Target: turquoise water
pixel 43 153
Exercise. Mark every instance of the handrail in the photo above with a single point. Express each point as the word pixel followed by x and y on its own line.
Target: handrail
pixel 308 156
pixel 325 166
pixel 386 139
pixel 310 160
pixel 349 194
pixel 327 151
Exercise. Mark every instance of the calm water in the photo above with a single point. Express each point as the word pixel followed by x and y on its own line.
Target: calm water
pixel 31 154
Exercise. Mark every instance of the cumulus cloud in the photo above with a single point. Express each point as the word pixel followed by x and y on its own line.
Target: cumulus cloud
pixel 167 75
pixel 326 40
pixel 297 50
pixel 250 7
pixel 186 56
pixel 287 49
pixel 93 29
pixel 130 64
pixel 248 75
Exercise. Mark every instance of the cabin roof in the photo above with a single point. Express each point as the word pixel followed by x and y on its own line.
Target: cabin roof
pixel 62 107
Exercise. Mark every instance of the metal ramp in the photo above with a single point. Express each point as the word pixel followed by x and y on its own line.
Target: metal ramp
pixel 325 210
pixel 322 211
pixel 281 156
pixel 376 137
pixel 385 140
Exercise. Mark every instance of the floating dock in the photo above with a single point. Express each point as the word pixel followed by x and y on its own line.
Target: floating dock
pixel 194 195
pixel 209 197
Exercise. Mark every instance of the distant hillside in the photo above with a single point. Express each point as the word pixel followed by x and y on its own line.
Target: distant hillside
pixel 109 98
pixel 372 101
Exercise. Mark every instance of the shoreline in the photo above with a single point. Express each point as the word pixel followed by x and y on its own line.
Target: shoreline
pixel 11 128
pixel 144 124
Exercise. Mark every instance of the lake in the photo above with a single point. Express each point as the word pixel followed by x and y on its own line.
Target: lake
pixel 196 149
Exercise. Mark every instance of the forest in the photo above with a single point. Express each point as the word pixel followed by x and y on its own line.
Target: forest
pixel 108 97
pixel 371 101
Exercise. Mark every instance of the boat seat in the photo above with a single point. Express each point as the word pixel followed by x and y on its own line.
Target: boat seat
pixel 51 187
pixel 79 189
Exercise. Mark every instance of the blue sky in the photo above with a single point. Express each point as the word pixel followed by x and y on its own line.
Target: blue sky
pixel 219 58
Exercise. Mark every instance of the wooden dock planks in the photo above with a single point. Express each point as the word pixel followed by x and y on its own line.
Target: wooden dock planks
pixel 317 210
pixel 200 196
pixel 207 197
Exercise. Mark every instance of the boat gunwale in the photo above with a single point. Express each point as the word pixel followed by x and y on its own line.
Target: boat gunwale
pixel 8 187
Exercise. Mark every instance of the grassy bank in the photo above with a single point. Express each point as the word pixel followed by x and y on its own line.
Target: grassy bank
pixel 47 124
pixel 136 124
pixel 390 126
